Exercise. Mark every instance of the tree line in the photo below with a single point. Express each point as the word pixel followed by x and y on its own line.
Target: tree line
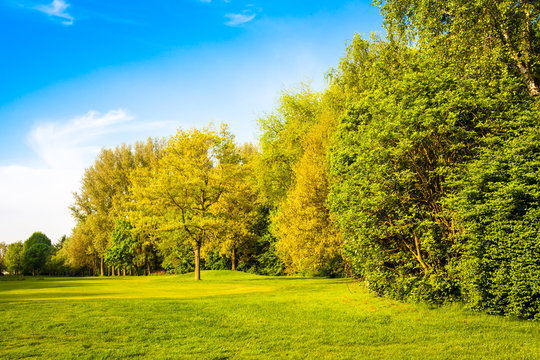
pixel 416 170
pixel 35 256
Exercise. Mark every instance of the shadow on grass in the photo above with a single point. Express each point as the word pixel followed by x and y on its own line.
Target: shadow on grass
pixel 10 298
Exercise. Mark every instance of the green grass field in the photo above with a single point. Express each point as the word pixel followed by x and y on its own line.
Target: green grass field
pixel 232 315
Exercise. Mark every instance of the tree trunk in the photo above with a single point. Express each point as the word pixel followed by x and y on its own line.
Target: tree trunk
pixel 522 63
pixel 233 257
pixel 197 261
pixel 112 270
pixel 124 271
pixel 101 264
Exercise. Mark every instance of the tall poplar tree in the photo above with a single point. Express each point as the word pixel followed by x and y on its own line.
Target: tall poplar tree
pixel 308 241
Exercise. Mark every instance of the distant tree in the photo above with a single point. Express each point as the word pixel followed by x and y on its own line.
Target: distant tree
pixel 103 197
pixel 15 258
pixel 3 251
pixel 79 250
pixel 37 238
pixel 36 251
pixel 123 250
pixel 60 244
pixel 57 262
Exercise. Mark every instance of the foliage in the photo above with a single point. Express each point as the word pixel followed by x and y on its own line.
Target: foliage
pixel 37 238
pixel 15 258
pixel 281 141
pixel 293 178
pixel 104 198
pixel 261 256
pixel 394 145
pixel 308 241
pixel 3 251
pixel 237 210
pixel 177 255
pixel 79 249
pixel 35 257
pixel 184 189
pixel 477 33
pixel 425 128
pixel 499 203
pixel 267 261
pixel 122 252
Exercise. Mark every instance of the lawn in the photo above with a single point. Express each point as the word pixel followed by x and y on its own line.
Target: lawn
pixel 241 316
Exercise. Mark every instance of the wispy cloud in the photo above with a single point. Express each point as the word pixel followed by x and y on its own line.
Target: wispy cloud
pixel 72 143
pixel 239 19
pixel 57 8
pixel 37 198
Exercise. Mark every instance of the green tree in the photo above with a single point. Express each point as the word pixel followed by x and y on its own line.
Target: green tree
pixel 445 95
pixel 412 124
pixel 497 203
pixel 93 205
pixel 38 238
pixel 80 250
pixel 480 34
pixel 35 257
pixel 3 251
pixel 145 223
pixel 37 249
pixel 15 258
pixel 123 250
pixel 104 195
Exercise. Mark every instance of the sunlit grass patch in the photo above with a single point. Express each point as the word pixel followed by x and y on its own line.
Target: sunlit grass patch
pixel 236 315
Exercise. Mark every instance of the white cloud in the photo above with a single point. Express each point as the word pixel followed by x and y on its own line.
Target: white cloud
pixel 68 145
pixel 239 19
pixel 37 198
pixel 57 8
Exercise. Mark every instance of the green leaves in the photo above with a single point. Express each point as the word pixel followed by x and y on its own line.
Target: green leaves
pixel 435 160
pixel 498 201
pixel 123 249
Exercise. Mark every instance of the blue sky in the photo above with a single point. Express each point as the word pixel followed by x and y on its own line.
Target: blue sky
pixel 79 75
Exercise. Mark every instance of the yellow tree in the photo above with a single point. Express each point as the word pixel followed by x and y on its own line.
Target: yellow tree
pixel 237 208
pixel 145 222
pixel 103 197
pixel 79 249
pixel 185 187
pixel 94 203
pixel 308 240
